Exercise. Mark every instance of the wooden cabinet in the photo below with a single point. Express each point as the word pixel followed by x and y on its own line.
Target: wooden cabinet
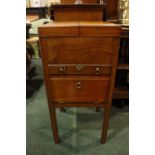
pixel 122 77
pixel 72 12
pixel 80 61
pixel 112 10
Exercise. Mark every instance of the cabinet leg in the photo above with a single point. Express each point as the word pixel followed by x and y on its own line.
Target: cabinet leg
pixel 54 125
pixel 106 116
pixel 97 109
pixel 62 109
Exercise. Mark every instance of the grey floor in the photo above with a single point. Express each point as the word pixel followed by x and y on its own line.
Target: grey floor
pixel 79 128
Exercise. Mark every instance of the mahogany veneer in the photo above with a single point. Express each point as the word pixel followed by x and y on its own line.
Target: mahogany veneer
pixel 79 60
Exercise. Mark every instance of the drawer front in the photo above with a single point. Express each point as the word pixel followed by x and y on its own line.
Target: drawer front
pixel 79 89
pixel 79 50
pixel 79 69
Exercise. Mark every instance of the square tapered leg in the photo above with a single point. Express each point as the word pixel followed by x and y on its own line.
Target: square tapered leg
pixel 54 126
pixel 106 117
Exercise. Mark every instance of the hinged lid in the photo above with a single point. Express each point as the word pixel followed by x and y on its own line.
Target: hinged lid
pixel 55 29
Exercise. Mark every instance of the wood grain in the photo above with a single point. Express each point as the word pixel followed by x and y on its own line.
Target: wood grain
pixel 91 89
pixel 75 50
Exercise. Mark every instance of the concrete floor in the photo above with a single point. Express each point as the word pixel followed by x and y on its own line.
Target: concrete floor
pixel 79 128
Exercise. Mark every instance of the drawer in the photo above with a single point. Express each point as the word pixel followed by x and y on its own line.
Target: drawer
pixel 79 69
pixel 79 89
pixel 79 50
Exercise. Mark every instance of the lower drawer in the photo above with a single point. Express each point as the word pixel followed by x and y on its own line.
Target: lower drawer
pixel 79 89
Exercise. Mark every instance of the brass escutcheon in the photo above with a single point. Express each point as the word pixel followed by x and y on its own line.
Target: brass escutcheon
pixel 62 68
pixel 79 67
pixel 78 85
pixel 97 70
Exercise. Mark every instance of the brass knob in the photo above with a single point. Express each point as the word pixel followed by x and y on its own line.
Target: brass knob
pixel 78 85
pixel 97 70
pixel 62 68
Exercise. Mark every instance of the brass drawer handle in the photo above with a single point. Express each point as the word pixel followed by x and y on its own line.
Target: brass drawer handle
pixel 62 68
pixel 78 85
pixel 97 70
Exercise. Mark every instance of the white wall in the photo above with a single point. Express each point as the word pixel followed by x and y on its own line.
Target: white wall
pixel 37 3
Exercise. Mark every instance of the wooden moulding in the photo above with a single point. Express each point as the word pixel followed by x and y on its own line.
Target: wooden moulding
pixel 80 104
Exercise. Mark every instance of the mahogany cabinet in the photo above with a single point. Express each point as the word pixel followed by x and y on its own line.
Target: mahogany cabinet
pixel 82 12
pixel 80 62
pixel 121 90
